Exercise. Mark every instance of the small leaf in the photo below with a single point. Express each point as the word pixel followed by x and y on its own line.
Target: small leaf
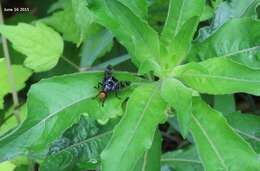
pixel 219 76
pixel 217 142
pixel 183 160
pixel 41 44
pixel 247 126
pixel 82 143
pixel 21 74
pixel 180 98
pixel 134 33
pixel 134 134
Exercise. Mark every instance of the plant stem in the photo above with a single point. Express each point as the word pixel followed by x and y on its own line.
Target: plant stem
pixel 10 71
pixel 71 63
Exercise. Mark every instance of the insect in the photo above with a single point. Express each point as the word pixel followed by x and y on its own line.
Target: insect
pixel 109 84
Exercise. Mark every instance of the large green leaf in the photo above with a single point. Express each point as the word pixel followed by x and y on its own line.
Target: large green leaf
pixel 7 166
pixel 81 143
pixel 180 98
pixel 41 44
pixel 183 160
pixel 218 145
pixel 237 40
pixel 96 46
pixel 182 20
pixel 134 134
pixel 20 73
pixel 219 76
pixel 248 126
pixel 135 34
pixel 53 105
pixel 151 159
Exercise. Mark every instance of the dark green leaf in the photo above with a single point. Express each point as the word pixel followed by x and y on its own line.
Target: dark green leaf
pixel 96 46
pixel 82 143
pixel 248 126
pixel 183 160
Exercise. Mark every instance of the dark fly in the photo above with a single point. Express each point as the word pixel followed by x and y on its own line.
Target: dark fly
pixel 109 84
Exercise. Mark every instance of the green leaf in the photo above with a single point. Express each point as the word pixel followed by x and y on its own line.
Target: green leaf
pixel 41 44
pixel 134 134
pixel 151 159
pixel 74 22
pixel 53 105
pixel 183 18
pixel 82 143
pixel 237 40
pixel 180 98
pixel 247 126
pixel 219 76
pixel 20 73
pixel 227 11
pixel 135 34
pixel 82 17
pixel 225 103
pixel 183 160
pixel 218 145
pixel 96 46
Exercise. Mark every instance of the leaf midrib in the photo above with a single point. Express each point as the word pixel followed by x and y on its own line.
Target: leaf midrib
pixel 219 77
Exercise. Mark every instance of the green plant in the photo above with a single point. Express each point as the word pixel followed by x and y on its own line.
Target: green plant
pixel 66 129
